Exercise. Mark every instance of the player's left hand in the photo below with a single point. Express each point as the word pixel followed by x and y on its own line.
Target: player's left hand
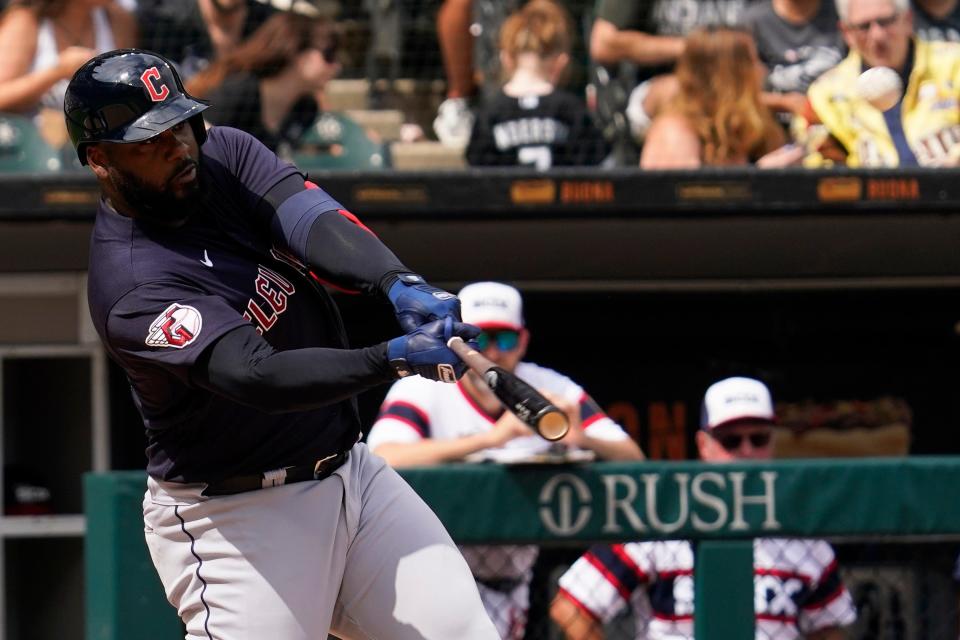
pixel 424 350
pixel 417 303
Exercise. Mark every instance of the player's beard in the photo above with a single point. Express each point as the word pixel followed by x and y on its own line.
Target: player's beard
pixel 163 205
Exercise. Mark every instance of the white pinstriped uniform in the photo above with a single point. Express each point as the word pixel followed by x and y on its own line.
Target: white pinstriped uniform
pixel 416 408
pixel 797 589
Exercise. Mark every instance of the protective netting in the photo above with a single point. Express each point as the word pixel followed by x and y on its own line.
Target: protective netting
pixel 380 101
pixel 871 589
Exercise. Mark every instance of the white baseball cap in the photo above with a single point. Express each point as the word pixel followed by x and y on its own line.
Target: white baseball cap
pixel 734 399
pixel 491 305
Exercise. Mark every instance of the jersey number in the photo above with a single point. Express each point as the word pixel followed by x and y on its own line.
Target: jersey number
pixel 275 290
pixel 540 157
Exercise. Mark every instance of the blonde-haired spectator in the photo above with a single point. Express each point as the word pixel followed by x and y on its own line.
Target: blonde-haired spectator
pixel 530 121
pixel 717 116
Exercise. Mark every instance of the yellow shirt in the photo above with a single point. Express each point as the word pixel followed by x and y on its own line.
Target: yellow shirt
pixel 930 110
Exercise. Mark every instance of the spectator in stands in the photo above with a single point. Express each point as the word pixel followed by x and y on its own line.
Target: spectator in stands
pixel 194 33
pixel 426 424
pixel 530 122
pixel 268 86
pixel 717 117
pixel 921 128
pixel 42 43
pixel 650 36
pixel 937 19
pixel 797 40
pixel 799 592
pixel 455 116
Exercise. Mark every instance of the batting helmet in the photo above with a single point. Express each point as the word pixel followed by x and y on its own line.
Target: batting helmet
pixel 127 95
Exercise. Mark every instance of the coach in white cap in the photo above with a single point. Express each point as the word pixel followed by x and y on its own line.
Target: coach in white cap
pixel 423 423
pixel 736 421
pixel 798 589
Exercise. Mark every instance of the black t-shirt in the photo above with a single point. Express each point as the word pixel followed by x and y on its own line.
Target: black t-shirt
pixel 236 103
pixel 928 27
pixel 671 17
pixel 539 131
pixel 796 54
pixel 176 29
pixel 159 297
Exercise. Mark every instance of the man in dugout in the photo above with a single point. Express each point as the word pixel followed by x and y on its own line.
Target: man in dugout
pixel 427 424
pixel 798 590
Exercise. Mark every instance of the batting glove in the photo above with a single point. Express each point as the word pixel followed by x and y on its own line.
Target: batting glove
pixel 424 350
pixel 417 303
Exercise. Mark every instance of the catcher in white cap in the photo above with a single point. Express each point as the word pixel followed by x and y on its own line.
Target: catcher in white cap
pixel 421 424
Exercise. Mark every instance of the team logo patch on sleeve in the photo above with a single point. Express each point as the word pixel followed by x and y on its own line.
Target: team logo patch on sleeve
pixel 176 327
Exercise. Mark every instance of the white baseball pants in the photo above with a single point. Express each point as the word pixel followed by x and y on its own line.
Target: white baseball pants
pixel 358 554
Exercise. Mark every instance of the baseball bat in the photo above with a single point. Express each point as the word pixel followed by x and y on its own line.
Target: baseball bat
pixel 520 398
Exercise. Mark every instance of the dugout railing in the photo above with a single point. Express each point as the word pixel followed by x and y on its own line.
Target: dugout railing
pixel 894 519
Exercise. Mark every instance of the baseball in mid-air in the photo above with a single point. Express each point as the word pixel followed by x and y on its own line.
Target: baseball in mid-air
pixel 880 86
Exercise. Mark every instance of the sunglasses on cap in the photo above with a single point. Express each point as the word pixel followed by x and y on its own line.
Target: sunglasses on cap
pixel 732 441
pixel 506 339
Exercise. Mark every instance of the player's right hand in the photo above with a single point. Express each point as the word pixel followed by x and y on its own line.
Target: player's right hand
pixel 424 350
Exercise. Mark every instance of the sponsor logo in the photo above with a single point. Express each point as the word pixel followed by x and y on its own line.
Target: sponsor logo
pixel 839 189
pixel 565 504
pixel 586 191
pixel 664 503
pixel 149 78
pixel 176 327
pixel 404 194
pixel 893 189
pixel 206 259
pixel 443 295
pixel 714 191
pixel 446 373
pixel 491 302
pixel 533 191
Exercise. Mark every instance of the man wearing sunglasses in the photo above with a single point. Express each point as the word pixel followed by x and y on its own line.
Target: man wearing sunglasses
pixel 422 424
pixel 923 127
pixel 799 593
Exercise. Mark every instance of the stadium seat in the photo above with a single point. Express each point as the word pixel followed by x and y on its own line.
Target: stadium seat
pixel 22 149
pixel 336 141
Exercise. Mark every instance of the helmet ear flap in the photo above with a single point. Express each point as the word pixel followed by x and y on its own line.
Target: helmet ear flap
pixel 199 129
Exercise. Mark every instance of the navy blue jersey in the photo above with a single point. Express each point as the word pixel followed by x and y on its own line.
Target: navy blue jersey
pixel 160 296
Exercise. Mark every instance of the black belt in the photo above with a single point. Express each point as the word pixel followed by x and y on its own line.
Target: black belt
pixel 287 475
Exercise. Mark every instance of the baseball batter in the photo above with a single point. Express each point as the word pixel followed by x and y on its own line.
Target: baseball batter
pixel 423 422
pixel 264 517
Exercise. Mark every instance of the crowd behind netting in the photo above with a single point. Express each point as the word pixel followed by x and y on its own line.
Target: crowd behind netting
pixel 444 84
pixel 662 84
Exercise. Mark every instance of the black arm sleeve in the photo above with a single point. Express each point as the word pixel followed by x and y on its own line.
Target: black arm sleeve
pixel 335 248
pixel 348 255
pixel 242 366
